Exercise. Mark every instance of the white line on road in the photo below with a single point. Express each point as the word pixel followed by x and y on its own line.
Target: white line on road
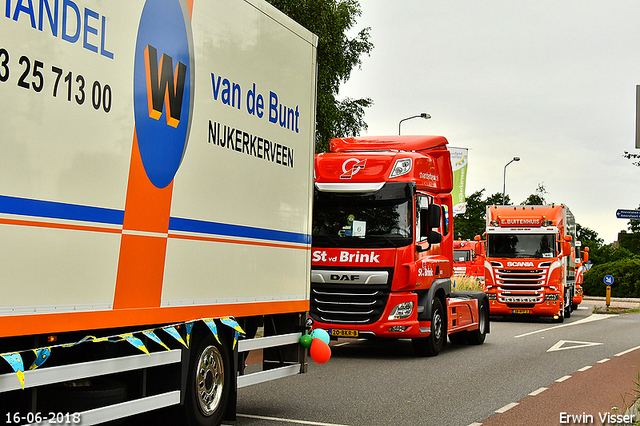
pixel 538 391
pixel 506 408
pixel 300 422
pixel 585 368
pixel 627 351
pixel 603 361
pixel 591 318
pixel 562 379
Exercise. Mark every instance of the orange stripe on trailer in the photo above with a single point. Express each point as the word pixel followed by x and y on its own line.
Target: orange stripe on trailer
pixel 235 241
pixel 141 262
pixel 22 325
pixel 59 226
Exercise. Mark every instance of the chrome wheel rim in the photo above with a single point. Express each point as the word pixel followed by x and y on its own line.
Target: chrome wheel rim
pixel 209 380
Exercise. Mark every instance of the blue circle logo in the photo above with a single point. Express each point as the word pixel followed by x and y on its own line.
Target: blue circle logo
pixel 163 87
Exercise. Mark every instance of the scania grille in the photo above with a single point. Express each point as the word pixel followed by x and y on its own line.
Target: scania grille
pixel 347 304
pixel 520 286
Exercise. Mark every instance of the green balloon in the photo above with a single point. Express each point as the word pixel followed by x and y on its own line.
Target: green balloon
pixel 306 340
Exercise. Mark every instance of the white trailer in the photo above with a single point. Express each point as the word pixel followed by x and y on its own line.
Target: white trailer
pixel 155 202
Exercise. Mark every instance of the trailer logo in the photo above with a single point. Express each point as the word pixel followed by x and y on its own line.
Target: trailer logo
pixel 162 88
pixel 348 172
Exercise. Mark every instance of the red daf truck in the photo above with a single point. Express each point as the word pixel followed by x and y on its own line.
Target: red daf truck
pixel 382 245
pixel 468 258
pixel 529 267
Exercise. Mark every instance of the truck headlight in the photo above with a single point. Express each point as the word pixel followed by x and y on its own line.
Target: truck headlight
pixel 401 311
pixel 402 167
pixel 551 296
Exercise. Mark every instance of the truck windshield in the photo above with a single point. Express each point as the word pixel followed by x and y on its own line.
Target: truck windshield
pixel 461 255
pixel 381 219
pixel 521 245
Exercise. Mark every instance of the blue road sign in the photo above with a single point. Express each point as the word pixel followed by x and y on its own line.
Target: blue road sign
pixel 608 279
pixel 628 214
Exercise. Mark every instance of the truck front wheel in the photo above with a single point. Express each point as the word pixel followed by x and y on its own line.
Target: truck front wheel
pixel 208 383
pixel 431 345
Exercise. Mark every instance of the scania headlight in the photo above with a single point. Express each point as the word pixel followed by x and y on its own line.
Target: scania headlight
pixel 401 311
pixel 551 297
pixel 402 167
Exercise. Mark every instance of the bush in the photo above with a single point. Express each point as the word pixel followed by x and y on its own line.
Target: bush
pixel 626 275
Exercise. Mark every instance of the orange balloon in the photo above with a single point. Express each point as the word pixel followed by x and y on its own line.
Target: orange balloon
pixel 320 351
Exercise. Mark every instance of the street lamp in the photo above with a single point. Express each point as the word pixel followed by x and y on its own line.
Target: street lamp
pixel 504 177
pixel 423 115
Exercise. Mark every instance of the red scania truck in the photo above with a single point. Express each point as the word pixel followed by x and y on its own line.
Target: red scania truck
pixel 382 244
pixel 468 258
pixel 529 268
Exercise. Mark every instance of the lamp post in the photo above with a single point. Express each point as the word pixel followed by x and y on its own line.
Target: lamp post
pixel 504 177
pixel 422 115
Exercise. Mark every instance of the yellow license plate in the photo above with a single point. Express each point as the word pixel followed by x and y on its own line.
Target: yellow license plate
pixel 521 311
pixel 344 333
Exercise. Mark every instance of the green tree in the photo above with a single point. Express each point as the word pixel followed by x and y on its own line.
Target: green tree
pixel 338 55
pixel 538 197
pixel 473 221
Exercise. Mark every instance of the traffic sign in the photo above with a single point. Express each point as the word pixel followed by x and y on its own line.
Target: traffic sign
pixel 628 214
pixel 608 279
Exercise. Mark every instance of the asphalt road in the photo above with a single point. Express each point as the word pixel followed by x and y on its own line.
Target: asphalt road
pixel 383 383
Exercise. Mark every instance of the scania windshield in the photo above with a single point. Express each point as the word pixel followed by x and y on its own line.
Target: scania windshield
pixel 521 245
pixel 379 219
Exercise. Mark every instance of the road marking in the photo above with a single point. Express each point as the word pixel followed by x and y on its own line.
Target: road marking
pixel 341 344
pixel 603 360
pixel 475 424
pixel 506 408
pixel 538 391
pixel 585 368
pixel 627 351
pixel 560 346
pixel 562 379
pixel 591 318
pixel 300 422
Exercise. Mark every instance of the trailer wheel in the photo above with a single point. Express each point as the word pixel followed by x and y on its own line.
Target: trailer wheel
pixel 208 383
pixel 431 345
pixel 476 337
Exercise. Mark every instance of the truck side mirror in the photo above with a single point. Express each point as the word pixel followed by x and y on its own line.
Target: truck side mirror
pixel 434 237
pixel 566 248
pixel 477 250
pixel 435 215
pixel 585 255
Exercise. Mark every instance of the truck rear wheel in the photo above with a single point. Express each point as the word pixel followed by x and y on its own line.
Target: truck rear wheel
pixel 208 383
pixel 431 345
pixel 476 337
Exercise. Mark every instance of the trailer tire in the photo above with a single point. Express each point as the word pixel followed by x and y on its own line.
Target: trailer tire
pixel 208 382
pixel 476 337
pixel 431 345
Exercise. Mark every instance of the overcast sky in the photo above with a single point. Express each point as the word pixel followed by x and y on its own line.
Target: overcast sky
pixel 552 82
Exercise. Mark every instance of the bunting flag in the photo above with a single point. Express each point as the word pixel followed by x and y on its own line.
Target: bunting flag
pixel 135 342
pixel 235 339
pixel 151 335
pixel 212 326
pixel 42 354
pixel 232 323
pixel 174 333
pixel 15 361
pixel 189 327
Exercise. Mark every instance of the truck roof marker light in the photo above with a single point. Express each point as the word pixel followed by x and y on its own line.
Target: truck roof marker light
pixel 401 167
